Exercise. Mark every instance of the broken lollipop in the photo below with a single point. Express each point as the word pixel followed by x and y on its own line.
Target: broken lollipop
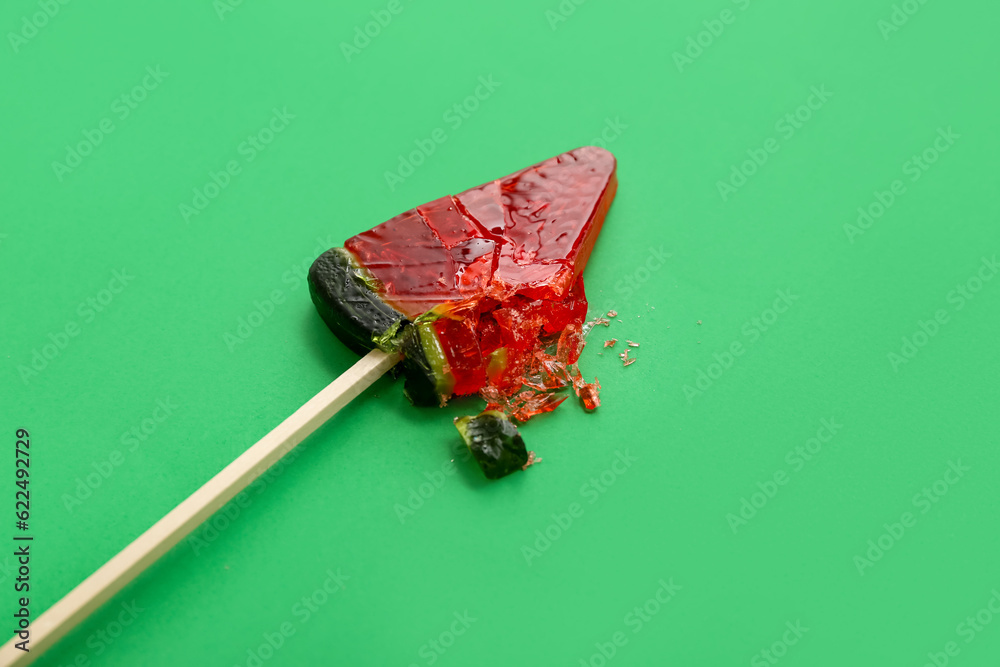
pixel 482 292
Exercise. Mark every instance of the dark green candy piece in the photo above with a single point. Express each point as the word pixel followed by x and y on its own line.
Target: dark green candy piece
pixel 494 442
pixel 345 297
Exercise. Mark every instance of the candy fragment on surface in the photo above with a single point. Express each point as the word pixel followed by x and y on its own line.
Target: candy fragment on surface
pixel 590 395
pixel 494 442
pixel 532 460
pixel 610 343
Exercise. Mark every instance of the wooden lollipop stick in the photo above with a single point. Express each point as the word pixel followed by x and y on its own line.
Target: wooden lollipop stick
pixel 96 589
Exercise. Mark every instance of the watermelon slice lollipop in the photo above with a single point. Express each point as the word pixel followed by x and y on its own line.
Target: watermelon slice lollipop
pixel 482 292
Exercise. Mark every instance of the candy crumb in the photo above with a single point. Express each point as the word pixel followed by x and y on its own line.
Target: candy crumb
pixel 630 362
pixel 632 344
pixel 589 326
pixel 610 343
pixel 590 394
pixel 612 313
pixel 531 461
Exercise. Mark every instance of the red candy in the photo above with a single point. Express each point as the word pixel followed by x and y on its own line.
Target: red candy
pixel 500 265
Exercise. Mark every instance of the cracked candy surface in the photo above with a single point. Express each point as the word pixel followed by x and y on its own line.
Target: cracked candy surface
pixel 500 266
pixel 419 266
pixel 550 215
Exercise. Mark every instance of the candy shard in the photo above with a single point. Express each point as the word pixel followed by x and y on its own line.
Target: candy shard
pixel 494 442
pixel 590 395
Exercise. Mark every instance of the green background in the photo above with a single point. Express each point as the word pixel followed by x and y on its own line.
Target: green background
pixel 169 335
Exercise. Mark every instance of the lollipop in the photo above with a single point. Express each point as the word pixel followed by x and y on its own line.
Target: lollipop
pixel 480 293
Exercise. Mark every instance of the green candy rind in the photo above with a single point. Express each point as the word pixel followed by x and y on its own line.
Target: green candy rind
pixel 339 287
